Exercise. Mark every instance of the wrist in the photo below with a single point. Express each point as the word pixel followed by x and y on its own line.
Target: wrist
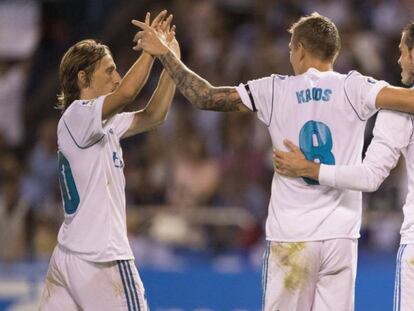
pixel 177 54
pixel 147 56
pixel 168 52
pixel 311 170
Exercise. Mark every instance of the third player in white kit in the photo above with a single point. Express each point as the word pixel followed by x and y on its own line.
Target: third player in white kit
pixel 311 230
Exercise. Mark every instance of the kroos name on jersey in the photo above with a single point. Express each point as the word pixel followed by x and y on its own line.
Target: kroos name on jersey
pixel 315 94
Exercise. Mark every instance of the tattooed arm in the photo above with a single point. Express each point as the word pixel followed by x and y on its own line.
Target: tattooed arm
pixel 198 90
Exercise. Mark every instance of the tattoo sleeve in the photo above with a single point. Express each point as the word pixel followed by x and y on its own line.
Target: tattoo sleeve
pixel 199 91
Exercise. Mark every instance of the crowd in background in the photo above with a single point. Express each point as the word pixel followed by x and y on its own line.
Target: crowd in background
pixel 201 180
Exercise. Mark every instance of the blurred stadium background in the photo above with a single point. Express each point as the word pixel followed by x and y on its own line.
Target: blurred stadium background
pixel 198 186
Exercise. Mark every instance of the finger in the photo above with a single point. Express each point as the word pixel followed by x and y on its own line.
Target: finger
pixel 284 172
pixel 280 154
pixel 137 47
pixel 171 34
pixel 138 36
pixel 159 18
pixel 279 163
pixel 290 145
pixel 147 18
pixel 172 30
pixel 141 25
pixel 280 171
pixel 166 24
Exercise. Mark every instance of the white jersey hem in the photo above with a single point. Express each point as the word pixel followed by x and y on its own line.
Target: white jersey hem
pixel 312 239
pixel 91 258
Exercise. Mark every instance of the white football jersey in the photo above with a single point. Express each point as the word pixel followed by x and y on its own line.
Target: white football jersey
pixel 324 113
pixel 92 182
pixel 393 136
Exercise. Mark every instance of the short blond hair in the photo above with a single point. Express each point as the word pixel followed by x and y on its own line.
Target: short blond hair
pixel 318 34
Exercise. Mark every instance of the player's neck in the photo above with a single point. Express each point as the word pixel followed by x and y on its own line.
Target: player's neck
pixel 87 93
pixel 316 64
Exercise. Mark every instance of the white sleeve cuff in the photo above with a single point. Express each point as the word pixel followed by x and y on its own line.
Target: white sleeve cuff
pixel 244 96
pixel 372 96
pixel 327 175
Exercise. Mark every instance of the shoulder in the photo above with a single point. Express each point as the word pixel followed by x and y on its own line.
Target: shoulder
pixel 354 75
pixel 280 77
pixel 81 106
pixel 86 103
pixel 271 78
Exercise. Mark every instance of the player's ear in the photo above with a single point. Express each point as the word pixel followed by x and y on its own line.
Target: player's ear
pixel 82 79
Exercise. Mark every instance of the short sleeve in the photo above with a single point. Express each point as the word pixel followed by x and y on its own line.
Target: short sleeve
pixel 83 120
pixel 121 123
pixel 361 93
pixel 259 95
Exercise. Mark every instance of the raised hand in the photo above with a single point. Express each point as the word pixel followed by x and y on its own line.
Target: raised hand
pixel 150 39
pixel 155 24
pixel 168 34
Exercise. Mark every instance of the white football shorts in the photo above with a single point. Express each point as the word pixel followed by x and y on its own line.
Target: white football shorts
pixel 404 279
pixel 310 276
pixel 75 284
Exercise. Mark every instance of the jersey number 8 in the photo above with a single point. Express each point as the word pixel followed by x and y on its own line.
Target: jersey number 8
pixel 315 141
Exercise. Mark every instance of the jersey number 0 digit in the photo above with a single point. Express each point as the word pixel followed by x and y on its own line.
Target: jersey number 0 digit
pixel 67 186
pixel 315 141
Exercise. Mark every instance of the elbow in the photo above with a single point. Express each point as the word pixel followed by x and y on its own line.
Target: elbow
pixel 156 119
pixel 159 120
pixel 154 124
pixel 375 187
pixel 371 186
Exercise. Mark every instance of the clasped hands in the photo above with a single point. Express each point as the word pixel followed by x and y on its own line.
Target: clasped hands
pixel 156 37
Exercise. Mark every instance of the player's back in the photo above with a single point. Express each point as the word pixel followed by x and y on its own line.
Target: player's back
pixel 324 113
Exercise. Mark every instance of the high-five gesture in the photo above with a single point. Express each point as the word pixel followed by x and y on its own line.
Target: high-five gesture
pixel 152 40
pixel 160 41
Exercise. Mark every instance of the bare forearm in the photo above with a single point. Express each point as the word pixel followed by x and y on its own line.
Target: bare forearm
pixel 396 98
pixel 136 77
pixel 155 112
pixel 198 90
pixel 160 101
pixel 129 87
